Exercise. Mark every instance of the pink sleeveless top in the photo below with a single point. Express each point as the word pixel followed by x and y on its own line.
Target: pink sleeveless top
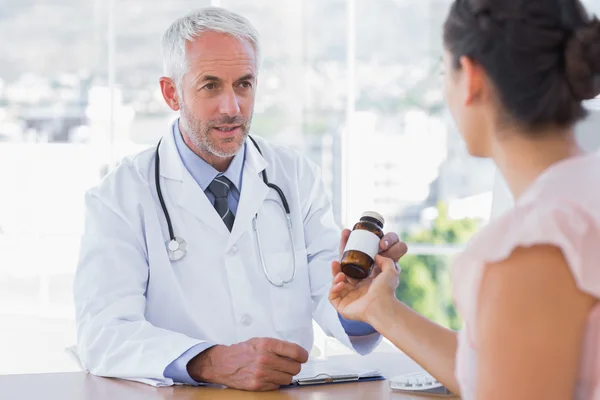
pixel 561 208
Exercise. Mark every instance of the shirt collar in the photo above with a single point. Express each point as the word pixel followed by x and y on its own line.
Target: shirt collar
pixel 204 173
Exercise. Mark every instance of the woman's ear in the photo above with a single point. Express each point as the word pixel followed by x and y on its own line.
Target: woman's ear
pixel 474 80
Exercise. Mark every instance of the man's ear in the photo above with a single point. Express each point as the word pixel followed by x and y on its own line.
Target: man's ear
pixel 169 92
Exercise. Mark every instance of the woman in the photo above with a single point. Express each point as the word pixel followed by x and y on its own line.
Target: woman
pixel 527 287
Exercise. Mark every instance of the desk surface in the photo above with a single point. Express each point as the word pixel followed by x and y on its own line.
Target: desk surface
pixel 84 386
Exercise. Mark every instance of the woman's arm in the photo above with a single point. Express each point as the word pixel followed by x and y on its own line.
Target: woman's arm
pixel 432 346
pixel 530 323
pixel 373 300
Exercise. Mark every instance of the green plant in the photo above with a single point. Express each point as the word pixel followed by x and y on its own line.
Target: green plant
pixel 425 279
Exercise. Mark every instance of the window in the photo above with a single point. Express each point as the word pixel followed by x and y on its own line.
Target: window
pixel 48 157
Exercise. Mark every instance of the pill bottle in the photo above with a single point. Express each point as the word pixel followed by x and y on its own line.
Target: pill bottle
pixel 363 246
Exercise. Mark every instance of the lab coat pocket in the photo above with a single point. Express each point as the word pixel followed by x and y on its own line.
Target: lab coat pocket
pixel 291 306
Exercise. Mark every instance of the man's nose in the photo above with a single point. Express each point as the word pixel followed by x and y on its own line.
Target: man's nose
pixel 229 103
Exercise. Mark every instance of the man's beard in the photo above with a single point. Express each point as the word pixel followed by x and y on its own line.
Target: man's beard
pixel 199 132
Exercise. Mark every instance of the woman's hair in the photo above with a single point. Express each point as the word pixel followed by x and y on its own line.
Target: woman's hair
pixel 543 56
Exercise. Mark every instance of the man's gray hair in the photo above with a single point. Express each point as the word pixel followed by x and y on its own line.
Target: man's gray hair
pixel 190 26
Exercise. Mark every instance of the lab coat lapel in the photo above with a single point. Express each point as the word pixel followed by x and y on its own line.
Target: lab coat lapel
pixel 254 192
pixel 184 189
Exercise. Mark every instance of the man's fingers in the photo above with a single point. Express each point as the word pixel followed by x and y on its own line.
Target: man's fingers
pixel 279 378
pixel 286 365
pixel 395 251
pixel 388 240
pixel 289 350
pixel 258 385
pixel 343 241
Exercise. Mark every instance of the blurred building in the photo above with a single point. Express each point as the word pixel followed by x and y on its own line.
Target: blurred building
pixel 391 170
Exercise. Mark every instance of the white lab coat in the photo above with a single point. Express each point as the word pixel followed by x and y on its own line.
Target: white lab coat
pixel 137 311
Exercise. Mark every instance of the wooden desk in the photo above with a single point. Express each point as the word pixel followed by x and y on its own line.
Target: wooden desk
pixel 84 386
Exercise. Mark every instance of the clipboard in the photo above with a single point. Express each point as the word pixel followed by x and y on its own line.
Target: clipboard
pixel 324 372
pixel 328 380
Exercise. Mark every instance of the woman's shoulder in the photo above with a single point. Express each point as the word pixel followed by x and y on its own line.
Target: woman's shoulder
pixel 561 209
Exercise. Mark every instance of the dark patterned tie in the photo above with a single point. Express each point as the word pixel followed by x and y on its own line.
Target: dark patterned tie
pixel 220 188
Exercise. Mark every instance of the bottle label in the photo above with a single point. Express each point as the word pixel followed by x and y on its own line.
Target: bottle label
pixel 364 241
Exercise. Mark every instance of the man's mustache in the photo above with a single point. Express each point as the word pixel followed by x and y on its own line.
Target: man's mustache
pixel 229 121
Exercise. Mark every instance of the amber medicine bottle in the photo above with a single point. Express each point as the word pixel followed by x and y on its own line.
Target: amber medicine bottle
pixel 363 246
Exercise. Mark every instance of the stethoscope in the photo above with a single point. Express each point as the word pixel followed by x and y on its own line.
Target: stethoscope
pixel 177 246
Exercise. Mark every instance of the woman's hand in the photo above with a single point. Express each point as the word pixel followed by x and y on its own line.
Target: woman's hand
pixel 361 300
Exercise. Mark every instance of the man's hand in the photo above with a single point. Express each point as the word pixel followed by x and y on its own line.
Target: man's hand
pixel 390 245
pixel 259 364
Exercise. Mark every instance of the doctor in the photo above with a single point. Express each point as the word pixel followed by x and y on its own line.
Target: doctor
pixel 205 259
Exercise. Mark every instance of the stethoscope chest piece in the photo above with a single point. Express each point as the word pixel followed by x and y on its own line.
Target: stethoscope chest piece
pixel 177 248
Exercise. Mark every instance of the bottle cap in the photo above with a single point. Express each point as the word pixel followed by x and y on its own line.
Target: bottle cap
pixel 374 215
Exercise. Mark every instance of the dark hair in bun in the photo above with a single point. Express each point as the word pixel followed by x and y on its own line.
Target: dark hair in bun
pixel 543 56
pixel 582 59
